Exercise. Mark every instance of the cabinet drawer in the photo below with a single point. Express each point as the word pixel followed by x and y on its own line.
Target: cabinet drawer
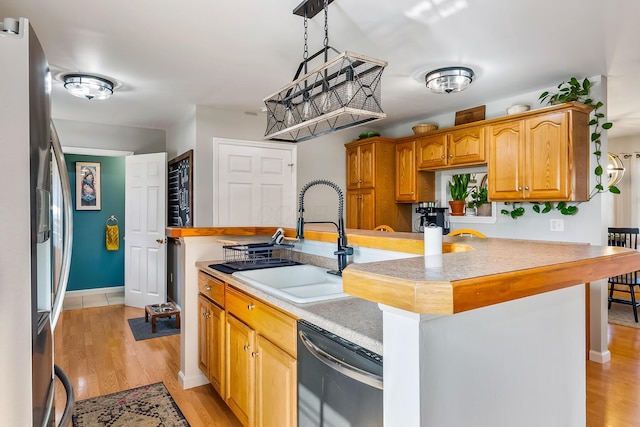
pixel 211 287
pixel 267 321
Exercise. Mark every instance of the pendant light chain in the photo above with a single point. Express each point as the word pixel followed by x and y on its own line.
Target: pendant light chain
pixel 305 55
pixel 326 23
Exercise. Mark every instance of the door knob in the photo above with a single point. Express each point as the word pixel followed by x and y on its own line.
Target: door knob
pixel 160 241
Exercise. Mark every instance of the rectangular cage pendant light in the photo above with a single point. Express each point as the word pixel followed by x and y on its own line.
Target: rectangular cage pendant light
pixel 341 93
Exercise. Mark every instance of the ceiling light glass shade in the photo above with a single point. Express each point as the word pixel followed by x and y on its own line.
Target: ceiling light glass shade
pixel 449 79
pixel 615 169
pixel 88 86
pixel 341 93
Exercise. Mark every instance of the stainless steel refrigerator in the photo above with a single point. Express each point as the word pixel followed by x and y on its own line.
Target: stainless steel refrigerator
pixel 36 227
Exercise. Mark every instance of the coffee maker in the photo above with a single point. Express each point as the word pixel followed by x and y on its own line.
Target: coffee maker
pixel 431 214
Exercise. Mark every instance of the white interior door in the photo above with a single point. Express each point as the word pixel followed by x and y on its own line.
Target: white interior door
pixel 145 221
pixel 255 183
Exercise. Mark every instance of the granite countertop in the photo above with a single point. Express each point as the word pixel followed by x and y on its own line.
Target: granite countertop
pixel 352 318
pixel 494 271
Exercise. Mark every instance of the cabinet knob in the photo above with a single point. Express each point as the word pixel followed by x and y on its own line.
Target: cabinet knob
pixel 451 156
pixel 206 315
pixel 526 187
pixel 255 354
pixel 246 347
pixel 207 287
pixel 250 307
pixel 442 157
pixel 412 192
pixel 519 188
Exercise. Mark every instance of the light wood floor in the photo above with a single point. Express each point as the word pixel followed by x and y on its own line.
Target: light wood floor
pixel 97 351
pixel 95 348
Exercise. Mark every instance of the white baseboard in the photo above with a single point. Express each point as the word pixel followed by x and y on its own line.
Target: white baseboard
pixel 599 357
pixel 192 381
pixel 96 291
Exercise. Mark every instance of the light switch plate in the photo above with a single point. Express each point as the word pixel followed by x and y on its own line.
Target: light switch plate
pixel 556 225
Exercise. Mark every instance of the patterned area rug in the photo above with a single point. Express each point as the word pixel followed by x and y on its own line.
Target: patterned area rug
pixel 146 406
pixel 141 330
pixel 622 314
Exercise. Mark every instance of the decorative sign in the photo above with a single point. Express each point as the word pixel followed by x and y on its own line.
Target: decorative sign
pixel 180 191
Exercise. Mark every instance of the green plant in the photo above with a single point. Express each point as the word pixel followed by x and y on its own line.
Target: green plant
pixel 458 186
pixel 479 196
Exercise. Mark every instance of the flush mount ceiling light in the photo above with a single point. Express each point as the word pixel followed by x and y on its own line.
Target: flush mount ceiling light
pixel 342 92
pixel 88 86
pixel 449 79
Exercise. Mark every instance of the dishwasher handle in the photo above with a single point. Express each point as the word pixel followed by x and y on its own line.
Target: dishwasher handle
pixel 334 363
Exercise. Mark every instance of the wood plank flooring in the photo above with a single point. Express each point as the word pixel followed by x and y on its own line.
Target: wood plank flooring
pixel 95 348
pixel 97 351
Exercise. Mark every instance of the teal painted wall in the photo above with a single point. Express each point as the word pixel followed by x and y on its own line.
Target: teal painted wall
pixel 92 265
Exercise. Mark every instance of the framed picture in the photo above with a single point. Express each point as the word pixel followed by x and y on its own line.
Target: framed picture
pixel 88 186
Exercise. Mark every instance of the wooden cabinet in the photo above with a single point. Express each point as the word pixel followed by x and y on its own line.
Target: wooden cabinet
pixel 260 362
pixel 211 330
pixel 412 186
pixel 452 148
pixel 540 156
pixel 211 343
pixel 361 166
pixel 370 195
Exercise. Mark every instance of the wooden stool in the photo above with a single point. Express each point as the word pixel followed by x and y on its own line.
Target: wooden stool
pixel 166 309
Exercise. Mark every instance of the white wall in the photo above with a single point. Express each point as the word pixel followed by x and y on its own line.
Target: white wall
pixel 110 137
pixel 319 158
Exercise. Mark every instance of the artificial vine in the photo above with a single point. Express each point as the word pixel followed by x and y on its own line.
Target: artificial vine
pixel 573 90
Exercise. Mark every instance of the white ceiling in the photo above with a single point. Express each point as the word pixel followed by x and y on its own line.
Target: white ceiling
pixel 167 55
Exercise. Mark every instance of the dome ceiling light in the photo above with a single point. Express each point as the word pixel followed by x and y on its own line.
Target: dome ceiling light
pixel 449 79
pixel 88 86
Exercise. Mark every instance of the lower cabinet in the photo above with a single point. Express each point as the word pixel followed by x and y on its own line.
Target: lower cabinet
pixel 211 342
pixel 248 351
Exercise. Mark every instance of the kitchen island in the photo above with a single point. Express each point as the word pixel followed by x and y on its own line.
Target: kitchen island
pixel 490 334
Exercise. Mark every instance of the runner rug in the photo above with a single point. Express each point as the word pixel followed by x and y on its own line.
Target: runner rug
pixel 141 330
pixel 146 406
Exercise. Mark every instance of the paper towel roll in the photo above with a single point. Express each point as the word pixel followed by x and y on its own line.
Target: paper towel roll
pixel 432 240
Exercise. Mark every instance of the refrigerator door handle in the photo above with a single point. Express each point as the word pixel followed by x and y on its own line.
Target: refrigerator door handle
pixel 67 208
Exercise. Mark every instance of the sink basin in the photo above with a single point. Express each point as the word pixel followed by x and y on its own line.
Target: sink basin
pixel 296 283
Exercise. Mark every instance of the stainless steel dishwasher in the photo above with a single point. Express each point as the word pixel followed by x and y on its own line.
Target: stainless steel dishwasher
pixel 339 382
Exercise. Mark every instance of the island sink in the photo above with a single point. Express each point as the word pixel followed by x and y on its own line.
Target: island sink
pixel 297 283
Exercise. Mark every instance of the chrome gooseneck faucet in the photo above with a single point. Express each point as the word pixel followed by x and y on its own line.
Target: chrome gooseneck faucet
pixel 343 250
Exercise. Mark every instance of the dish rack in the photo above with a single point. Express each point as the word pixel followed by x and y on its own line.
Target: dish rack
pixel 258 253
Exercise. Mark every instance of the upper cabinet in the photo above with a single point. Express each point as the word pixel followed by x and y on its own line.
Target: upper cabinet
pixel 452 148
pixel 361 166
pixel 412 185
pixel 540 156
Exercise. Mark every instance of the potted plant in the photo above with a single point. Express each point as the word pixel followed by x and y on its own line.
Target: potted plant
pixel 479 201
pixel 458 187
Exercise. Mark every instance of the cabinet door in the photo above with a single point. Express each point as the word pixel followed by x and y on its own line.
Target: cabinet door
pixel 276 383
pixel 216 348
pixel 240 371
pixel 466 147
pixel 203 334
pixel 547 139
pixel 406 172
pixel 353 206
pixel 506 161
pixel 432 151
pixel 353 168
pixel 367 211
pixel 367 165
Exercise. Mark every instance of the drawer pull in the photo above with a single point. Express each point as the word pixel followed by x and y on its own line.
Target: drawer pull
pixel 207 287
pixel 250 306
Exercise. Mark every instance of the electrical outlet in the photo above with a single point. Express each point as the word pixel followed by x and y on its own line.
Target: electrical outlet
pixel 556 225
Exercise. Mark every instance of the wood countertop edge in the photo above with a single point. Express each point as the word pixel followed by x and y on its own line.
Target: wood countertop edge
pixel 477 292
